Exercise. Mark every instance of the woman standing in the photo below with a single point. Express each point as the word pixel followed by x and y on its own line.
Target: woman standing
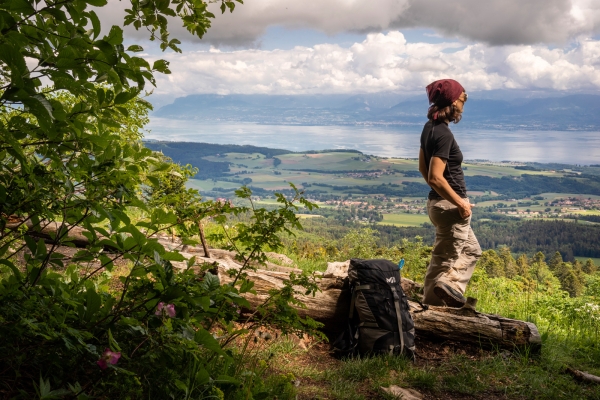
pixel 456 249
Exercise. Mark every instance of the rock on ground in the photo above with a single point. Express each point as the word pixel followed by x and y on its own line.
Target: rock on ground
pixel 401 393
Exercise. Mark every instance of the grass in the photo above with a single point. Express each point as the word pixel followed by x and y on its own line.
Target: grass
pixel 554 196
pixel 329 162
pixel 580 221
pixel 404 219
pixel 587 212
pixel 498 171
pixel 488 374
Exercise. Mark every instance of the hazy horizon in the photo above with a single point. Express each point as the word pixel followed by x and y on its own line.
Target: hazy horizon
pixel 522 146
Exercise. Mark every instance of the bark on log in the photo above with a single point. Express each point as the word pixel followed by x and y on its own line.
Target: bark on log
pixel 47 231
pixel 468 326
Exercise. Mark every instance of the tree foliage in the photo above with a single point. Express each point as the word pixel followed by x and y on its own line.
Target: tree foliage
pixel 114 319
pixel 570 277
pixel 589 267
pixel 491 262
pixel 547 236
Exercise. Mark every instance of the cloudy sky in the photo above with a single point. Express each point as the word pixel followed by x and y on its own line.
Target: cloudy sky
pixel 358 46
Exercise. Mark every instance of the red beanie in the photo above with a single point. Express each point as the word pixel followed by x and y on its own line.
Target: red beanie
pixel 444 92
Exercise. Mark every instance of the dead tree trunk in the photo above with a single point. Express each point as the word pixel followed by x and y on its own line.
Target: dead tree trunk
pixel 203 239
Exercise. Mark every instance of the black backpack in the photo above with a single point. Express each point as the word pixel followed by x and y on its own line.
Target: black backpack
pixel 379 320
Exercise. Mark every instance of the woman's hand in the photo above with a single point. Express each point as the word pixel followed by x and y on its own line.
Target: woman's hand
pixel 439 183
pixel 464 209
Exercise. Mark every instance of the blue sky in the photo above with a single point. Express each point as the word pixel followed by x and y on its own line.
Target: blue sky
pixel 282 38
pixel 278 37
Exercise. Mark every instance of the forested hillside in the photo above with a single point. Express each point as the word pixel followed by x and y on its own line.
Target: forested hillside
pixel 193 153
pixel 530 185
pixel 522 237
pixel 529 237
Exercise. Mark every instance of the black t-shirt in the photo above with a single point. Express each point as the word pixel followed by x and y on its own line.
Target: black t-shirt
pixel 442 144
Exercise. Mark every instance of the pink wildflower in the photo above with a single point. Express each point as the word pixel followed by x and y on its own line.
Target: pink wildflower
pixel 168 309
pixel 108 357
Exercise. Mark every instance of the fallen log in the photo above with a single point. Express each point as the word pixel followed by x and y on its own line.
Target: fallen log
pixel 465 325
pixel 75 235
pixel 47 230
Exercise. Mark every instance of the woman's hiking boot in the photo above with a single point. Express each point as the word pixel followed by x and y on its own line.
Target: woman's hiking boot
pixel 451 296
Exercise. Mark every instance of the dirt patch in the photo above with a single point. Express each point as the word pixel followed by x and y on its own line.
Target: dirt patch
pixel 317 357
pixel 433 353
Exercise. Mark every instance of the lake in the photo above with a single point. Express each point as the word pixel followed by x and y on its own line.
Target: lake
pixel 568 147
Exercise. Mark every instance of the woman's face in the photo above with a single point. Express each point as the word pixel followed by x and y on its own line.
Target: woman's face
pixel 460 103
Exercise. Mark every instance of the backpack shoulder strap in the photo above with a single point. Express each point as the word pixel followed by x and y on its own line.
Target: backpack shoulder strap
pixel 398 317
pixel 355 290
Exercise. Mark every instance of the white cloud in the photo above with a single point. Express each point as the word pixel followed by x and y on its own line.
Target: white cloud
pixel 382 62
pixel 496 22
pixel 501 22
pixel 249 21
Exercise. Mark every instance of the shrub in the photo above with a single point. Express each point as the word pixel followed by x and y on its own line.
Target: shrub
pixel 154 336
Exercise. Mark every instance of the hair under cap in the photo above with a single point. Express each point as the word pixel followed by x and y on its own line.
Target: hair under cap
pixel 444 92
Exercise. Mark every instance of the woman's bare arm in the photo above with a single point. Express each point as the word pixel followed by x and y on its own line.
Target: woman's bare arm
pixel 435 179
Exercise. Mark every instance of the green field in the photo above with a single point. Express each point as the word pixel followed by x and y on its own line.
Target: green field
pixel 584 259
pixel 404 219
pixel 371 185
pixel 498 171
pixel 554 196
pixel 336 169
pixel 341 161
pixel 548 197
pixel 587 212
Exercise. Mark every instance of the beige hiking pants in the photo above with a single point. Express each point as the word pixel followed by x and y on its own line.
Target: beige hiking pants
pixel 455 251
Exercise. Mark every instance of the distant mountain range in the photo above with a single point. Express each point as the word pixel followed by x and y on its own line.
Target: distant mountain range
pixel 573 112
